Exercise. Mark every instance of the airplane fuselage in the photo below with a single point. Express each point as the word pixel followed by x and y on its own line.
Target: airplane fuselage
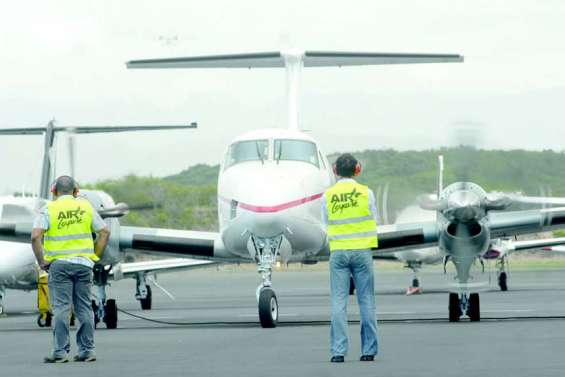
pixel 275 190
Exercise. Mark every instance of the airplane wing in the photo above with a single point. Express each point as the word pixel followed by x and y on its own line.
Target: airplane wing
pixel 276 59
pixel 506 224
pixel 557 249
pixel 177 243
pixel 396 237
pixel 209 245
pixel 504 247
pixel 130 270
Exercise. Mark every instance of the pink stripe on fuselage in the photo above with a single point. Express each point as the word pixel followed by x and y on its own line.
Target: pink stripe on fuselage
pixel 279 207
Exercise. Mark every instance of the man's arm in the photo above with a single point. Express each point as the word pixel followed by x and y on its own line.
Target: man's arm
pixel 324 212
pixel 100 227
pixel 373 205
pixel 37 246
pixel 40 226
pixel 101 242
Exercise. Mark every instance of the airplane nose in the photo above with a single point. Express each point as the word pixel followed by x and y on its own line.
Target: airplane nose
pixel 13 258
pixel 266 225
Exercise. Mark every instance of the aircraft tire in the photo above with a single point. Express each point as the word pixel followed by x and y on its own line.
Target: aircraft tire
pixel 111 314
pixel 454 308
pixel 474 311
pixel 147 301
pixel 502 281
pixel 268 308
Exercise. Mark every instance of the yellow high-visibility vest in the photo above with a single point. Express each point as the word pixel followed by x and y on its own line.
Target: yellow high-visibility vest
pixel 69 233
pixel 351 225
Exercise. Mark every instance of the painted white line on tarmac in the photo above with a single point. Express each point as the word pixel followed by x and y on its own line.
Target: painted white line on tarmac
pixel 508 311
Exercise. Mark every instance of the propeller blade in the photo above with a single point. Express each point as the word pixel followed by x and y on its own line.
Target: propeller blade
pixel 431 202
pixel 540 200
pixel 119 210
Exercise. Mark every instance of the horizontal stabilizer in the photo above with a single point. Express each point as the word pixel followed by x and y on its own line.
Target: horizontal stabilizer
pixel 309 58
pixel 91 130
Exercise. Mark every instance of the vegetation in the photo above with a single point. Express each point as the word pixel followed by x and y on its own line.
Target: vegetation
pixel 188 200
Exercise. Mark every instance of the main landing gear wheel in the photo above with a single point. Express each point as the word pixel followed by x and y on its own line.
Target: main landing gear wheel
pixel 268 308
pixel 146 302
pixel 474 307
pixel 111 314
pixel 502 281
pixel 454 307
pixel 44 322
pixel 351 286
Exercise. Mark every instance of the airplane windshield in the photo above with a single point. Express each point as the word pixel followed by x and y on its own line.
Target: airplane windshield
pixel 252 150
pixel 296 150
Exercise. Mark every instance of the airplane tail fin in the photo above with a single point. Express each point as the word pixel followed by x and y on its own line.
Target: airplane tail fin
pixel 51 130
pixel 293 61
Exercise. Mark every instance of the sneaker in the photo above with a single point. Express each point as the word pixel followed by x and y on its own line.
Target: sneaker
pixel 367 358
pixel 88 358
pixel 337 359
pixel 55 359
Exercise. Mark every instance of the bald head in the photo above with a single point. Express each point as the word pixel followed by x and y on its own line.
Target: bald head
pixel 65 185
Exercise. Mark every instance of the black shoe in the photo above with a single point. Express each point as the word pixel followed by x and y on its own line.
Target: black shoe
pixel 367 358
pixel 337 359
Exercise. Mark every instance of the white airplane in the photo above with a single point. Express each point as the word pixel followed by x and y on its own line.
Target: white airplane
pixel 271 182
pixel 18 267
pixel 499 249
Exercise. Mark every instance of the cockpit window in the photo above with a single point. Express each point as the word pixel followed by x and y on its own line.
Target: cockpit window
pixel 252 150
pixel 296 150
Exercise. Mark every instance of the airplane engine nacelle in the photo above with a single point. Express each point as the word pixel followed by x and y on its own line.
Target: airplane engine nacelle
pixel 101 201
pixel 472 238
pixel 464 242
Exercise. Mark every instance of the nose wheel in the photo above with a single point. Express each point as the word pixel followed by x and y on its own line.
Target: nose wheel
pixel 459 304
pixel 266 252
pixel 268 308
pixel 502 281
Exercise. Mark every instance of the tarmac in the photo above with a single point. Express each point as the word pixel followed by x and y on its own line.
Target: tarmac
pixel 216 330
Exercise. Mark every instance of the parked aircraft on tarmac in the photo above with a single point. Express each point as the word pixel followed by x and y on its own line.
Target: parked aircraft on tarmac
pixel 271 182
pixel 18 268
pixel 498 250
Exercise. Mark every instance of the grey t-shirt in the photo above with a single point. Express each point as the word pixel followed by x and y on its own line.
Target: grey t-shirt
pixel 42 221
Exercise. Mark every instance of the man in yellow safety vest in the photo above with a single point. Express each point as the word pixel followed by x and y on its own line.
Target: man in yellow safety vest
pixel 349 212
pixel 63 244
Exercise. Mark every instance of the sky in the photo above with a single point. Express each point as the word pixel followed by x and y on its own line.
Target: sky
pixel 66 60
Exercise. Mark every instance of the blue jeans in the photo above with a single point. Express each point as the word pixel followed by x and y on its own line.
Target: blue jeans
pixel 70 284
pixel 359 264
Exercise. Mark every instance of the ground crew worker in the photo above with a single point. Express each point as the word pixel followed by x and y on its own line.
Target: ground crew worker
pixel 349 212
pixel 62 243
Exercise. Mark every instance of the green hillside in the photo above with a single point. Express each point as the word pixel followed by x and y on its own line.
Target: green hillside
pixel 188 200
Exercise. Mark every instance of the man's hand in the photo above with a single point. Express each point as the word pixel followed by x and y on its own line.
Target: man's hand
pixel 44 265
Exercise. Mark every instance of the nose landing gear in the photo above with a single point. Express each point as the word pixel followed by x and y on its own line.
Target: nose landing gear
pixel 463 303
pixel 502 276
pixel 266 252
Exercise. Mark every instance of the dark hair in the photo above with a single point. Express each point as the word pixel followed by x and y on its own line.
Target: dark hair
pixel 345 165
pixel 65 185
